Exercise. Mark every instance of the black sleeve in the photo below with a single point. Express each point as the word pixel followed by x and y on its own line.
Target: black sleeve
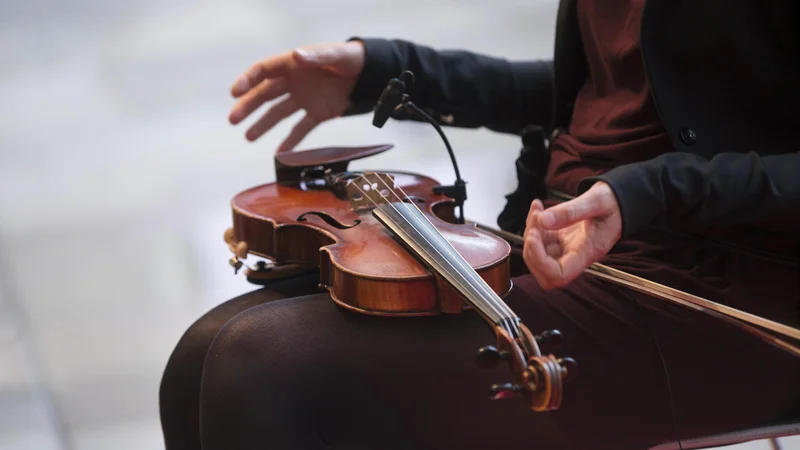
pixel 459 88
pixel 689 190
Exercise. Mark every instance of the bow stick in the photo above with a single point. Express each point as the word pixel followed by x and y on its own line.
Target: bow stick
pixel 741 319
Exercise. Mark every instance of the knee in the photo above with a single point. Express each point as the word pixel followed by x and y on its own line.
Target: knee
pixel 185 364
pixel 190 352
pixel 179 391
pixel 247 342
pixel 255 378
pixel 196 340
pixel 266 335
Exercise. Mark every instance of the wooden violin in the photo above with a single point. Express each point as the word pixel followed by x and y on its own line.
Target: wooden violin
pixel 385 244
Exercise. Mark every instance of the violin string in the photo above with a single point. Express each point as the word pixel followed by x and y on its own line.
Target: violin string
pixel 509 321
pixel 502 320
pixel 499 319
pixel 490 294
pixel 438 236
pixel 365 194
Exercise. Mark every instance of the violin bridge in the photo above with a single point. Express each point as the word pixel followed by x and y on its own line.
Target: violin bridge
pixel 371 189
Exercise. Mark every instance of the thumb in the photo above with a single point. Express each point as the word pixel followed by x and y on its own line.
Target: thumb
pixel 584 207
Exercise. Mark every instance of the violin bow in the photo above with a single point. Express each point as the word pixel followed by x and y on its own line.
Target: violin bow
pixel 743 320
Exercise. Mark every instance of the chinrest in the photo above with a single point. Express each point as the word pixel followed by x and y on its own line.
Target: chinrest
pixel 291 166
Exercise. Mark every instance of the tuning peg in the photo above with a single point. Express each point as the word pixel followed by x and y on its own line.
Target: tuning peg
pixel 570 368
pixel 550 338
pixel 229 235
pixel 505 390
pixel 236 264
pixel 489 357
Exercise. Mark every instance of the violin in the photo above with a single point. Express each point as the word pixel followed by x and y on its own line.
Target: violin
pixel 387 243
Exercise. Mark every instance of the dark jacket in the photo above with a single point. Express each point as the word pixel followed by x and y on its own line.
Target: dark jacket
pixel 725 76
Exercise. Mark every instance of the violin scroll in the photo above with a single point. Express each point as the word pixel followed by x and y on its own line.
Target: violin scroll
pixel 537 378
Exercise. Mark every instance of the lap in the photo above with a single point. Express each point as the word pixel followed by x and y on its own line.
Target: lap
pixel 303 373
pixel 180 384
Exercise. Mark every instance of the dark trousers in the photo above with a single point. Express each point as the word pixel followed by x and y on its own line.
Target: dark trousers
pixel 284 368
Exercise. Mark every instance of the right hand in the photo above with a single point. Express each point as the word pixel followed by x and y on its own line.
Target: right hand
pixel 318 79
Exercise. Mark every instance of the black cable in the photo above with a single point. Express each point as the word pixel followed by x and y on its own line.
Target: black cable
pixel 430 119
pixel 458 191
pixel 395 102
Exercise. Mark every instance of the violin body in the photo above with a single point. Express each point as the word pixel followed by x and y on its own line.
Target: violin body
pixel 304 219
pixel 388 244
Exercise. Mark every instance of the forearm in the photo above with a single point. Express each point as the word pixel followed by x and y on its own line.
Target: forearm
pixel 459 88
pixel 686 189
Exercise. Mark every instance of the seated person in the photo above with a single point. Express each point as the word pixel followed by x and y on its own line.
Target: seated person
pixel 676 139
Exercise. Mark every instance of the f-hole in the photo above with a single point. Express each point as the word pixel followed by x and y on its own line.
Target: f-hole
pixel 330 220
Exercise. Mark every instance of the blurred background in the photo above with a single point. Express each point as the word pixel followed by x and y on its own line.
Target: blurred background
pixel 117 164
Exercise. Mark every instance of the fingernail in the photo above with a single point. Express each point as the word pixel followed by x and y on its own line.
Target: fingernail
pixel 241 86
pixel 547 219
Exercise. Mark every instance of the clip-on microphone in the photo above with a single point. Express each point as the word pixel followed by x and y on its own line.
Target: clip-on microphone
pixel 394 102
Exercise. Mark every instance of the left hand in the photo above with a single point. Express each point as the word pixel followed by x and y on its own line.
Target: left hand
pixel 562 241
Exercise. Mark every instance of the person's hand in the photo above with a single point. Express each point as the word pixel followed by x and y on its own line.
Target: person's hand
pixel 318 79
pixel 564 240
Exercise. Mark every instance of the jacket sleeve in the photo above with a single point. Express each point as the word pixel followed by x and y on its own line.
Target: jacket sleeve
pixel 458 88
pixel 691 191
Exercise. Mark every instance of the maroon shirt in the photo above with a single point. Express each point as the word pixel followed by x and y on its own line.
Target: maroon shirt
pixel 615 120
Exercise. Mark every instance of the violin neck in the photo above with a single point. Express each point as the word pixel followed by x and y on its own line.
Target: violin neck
pixel 425 241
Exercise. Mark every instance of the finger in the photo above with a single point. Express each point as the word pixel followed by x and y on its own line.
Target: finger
pixel 552 246
pixel 532 264
pixel 267 91
pixel 549 238
pixel 543 282
pixel 572 265
pixel 275 114
pixel 536 207
pixel 544 263
pixel 570 212
pixel 540 263
pixel 271 67
pixel 297 134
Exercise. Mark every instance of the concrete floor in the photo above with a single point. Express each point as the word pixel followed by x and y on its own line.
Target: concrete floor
pixel 117 165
